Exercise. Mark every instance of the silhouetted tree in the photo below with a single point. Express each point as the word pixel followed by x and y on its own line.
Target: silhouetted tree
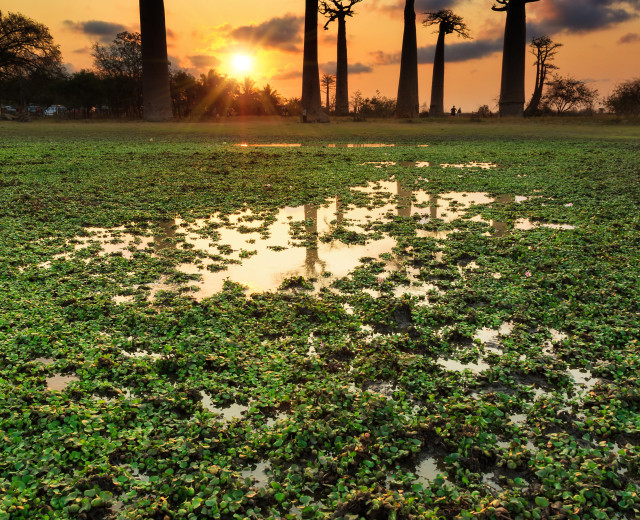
pixel 120 67
pixel 544 49
pixel 218 93
pixel 327 82
pixel 407 102
pixel 339 10
pixel 26 46
pixel 83 90
pixel 564 94
pixel 269 100
pixel 30 63
pixel 513 56
pixel 247 100
pixel 155 65
pixel 184 92
pixel 447 23
pixel 311 104
pixel 625 98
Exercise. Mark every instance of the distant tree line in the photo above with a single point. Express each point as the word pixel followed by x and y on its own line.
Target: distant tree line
pixel 31 72
pixel 114 87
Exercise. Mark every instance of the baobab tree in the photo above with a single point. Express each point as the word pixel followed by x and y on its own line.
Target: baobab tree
pixel 339 10
pixel 407 102
pixel 447 23
pixel 156 93
pixel 328 81
pixel 513 56
pixel 311 104
pixel 544 49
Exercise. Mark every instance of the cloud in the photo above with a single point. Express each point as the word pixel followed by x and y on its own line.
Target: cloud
pixel 284 33
pixel 464 51
pixel 201 61
pixel 354 68
pixel 384 58
pixel 555 16
pixel 630 38
pixel 421 6
pixel 105 31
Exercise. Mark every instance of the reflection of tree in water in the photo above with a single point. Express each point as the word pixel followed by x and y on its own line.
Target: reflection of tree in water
pixel 312 259
pixel 404 200
pixel 501 228
pixel 164 240
pixel 433 206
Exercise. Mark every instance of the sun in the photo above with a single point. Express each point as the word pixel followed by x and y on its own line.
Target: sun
pixel 241 62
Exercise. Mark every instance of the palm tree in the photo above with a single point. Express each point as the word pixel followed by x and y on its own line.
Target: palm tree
pixel 247 97
pixel 513 56
pixel 155 64
pixel 270 99
pixel 338 10
pixel 327 81
pixel 544 49
pixel 448 23
pixel 311 104
pixel 407 103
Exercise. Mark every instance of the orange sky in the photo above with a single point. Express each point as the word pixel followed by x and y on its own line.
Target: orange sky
pixel 602 47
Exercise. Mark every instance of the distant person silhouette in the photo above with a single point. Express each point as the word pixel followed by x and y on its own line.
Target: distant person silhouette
pixel 459 111
pixel 453 110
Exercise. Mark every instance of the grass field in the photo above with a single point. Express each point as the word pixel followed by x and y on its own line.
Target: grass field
pixel 446 326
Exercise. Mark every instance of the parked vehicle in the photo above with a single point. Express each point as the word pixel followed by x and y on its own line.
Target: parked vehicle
pixel 55 110
pixel 35 110
pixel 6 109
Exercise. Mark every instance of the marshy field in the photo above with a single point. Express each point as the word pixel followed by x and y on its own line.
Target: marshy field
pixel 260 319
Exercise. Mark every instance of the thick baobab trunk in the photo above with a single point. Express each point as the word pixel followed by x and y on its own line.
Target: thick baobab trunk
pixel 311 103
pixel 407 103
pixel 156 94
pixel 513 60
pixel 342 86
pixel 436 108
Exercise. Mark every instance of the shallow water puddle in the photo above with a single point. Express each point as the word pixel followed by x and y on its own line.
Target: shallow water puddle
pixel 59 383
pixel 141 354
pixel 241 248
pixel 360 145
pixel 269 145
pixel 429 469
pixel 258 473
pixel 228 413
pixel 489 479
pixel 583 378
pixel 524 224
pixel 518 418
pixel 454 365
pixel 472 164
pixel 43 360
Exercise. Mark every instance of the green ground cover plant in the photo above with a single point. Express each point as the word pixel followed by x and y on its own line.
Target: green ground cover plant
pixel 485 366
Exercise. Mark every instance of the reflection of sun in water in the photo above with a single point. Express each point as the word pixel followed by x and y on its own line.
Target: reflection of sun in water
pixel 241 62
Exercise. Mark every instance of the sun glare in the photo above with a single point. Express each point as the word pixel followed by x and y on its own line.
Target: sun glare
pixel 241 62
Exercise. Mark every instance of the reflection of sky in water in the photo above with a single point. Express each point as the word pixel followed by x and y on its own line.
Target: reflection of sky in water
pixel 261 260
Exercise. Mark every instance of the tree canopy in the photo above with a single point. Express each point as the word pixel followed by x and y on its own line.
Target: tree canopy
pixel 565 94
pixel 26 47
pixel 447 22
pixel 625 98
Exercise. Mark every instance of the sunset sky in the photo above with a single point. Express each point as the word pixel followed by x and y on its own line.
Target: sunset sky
pixel 601 41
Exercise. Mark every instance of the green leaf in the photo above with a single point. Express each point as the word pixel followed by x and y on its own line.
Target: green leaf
pixel 542 502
